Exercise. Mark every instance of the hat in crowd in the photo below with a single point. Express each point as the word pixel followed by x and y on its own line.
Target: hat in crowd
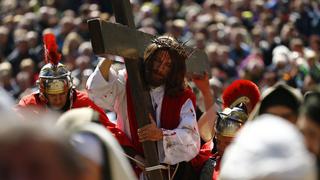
pixel 280 94
pixel 268 148
pixel 179 23
pixel 5 68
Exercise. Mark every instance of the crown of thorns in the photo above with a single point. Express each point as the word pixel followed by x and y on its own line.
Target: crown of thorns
pixel 168 42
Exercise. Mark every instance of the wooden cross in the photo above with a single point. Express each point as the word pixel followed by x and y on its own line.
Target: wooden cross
pixel 141 97
pixel 121 40
pixel 124 40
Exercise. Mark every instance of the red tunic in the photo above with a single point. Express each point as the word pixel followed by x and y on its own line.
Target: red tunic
pixel 80 99
pixel 204 154
pixel 170 113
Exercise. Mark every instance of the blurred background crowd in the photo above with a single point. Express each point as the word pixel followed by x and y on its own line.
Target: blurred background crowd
pixel 264 41
pixel 261 40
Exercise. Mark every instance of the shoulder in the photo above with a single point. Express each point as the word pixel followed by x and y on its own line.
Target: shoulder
pixel 80 96
pixel 81 99
pixel 187 93
pixel 31 99
pixel 182 97
pixel 184 93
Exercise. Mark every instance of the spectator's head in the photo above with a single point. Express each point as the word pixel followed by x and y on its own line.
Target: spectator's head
pixel 281 100
pixel 67 25
pixel 84 10
pixel 268 148
pixel 83 62
pixel 296 45
pixel 213 31
pixel 71 44
pixel 21 41
pixel 99 150
pixel 4 35
pixel 23 80
pixel 5 72
pixel 212 51
pixel 200 39
pixel 33 150
pixel 178 27
pixel 314 42
pixel 270 78
pixel 149 9
pixel 216 86
pixel 86 49
pixel 288 32
pixel 27 65
pixel 310 58
pixel 281 57
pixel 32 38
pixel 237 37
pixel 309 121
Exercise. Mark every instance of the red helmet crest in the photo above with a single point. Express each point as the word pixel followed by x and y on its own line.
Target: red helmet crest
pixel 241 91
pixel 51 49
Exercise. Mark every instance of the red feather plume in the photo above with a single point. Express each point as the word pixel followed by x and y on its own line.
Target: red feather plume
pixel 238 89
pixel 51 49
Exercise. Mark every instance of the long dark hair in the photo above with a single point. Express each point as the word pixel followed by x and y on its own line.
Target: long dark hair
pixel 175 82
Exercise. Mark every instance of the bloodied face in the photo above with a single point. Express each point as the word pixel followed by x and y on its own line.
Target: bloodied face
pixel 157 72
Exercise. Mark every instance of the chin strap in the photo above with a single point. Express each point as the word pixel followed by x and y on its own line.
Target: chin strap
pixel 43 98
pixel 71 97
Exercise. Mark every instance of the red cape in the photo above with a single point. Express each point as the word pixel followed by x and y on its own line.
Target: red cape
pixel 80 99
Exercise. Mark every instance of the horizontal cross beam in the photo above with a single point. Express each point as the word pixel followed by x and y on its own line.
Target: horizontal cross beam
pixel 117 39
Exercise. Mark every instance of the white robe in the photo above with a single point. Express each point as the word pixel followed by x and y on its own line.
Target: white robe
pixel 177 145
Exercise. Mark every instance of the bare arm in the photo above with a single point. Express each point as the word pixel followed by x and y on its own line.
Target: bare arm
pixel 206 124
pixel 104 67
pixel 202 83
pixel 208 99
pixel 207 120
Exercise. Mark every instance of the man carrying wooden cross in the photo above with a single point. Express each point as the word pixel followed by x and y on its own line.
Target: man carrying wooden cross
pixel 173 125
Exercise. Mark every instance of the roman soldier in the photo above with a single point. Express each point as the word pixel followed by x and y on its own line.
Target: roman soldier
pixel 57 93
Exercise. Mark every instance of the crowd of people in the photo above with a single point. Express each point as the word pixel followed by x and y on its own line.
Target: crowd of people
pixel 253 115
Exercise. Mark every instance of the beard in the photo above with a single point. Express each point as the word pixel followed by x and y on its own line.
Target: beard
pixel 154 79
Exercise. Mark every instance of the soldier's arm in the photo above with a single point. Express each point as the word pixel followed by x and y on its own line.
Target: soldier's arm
pixel 206 124
pixel 207 120
pixel 202 83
